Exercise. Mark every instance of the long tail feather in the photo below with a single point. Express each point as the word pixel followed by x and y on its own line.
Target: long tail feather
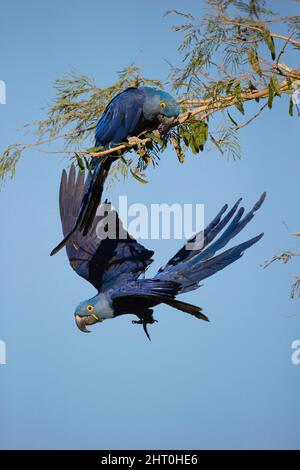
pixel 187 308
pixel 92 198
pixel 90 203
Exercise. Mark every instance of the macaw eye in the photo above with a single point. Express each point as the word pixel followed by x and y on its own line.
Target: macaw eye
pixel 162 105
pixel 90 308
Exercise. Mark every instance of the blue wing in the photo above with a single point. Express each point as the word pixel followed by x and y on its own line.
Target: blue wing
pixel 190 266
pixel 122 117
pixel 103 262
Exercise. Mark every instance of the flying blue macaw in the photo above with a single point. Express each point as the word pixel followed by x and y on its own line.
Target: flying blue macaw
pixel 114 265
pixel 127 115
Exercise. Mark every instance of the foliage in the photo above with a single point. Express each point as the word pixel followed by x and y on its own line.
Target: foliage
pixel 285 257
pixel 72 117
pixel 229 53
pixel 229 56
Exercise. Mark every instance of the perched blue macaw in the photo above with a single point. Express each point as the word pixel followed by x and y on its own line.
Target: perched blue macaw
pixel 114 265
pixel 128 114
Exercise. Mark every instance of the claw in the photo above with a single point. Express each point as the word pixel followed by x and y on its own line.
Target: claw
pixel 137 141
pixel 144 323
pixel 146 331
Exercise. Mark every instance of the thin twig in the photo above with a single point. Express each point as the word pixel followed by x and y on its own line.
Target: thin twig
pixel 284 18
pixel 231 21
pixel 284 38
pixel 284 47
pixel 252 118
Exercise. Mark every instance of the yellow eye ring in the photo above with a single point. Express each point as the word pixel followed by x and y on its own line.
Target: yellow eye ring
pixel 162 105
pixel 90 308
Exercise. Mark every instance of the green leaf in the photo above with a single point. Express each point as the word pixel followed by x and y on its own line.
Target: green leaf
pixel 87 164
pixel 177 147
pixel 252 8
pixel 291 107
pixel 194 135
pixel 200 134
pixel 156 138
pixel 274 90
pixel 270 43
pixel 228 88
pixel 231 119
pixel 137 177
pixel 251 86
pixel 217 144
pixel 186 137
pixel 275 84
pixel 254 62
pixel 193 146
pixel 240 107
pixel 79 162
pixel 271 94
pixel 95 149
pixel 238 93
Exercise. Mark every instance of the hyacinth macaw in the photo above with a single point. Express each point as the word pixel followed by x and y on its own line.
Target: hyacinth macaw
pixel 114 265
pixel 127 115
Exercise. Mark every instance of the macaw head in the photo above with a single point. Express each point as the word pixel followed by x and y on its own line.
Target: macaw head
pixel 87 313
pixel 159 102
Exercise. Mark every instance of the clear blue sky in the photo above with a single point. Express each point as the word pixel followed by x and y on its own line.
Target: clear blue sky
pixel 229 383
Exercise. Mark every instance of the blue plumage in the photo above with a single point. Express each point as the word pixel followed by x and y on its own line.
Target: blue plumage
pixel 114 265
pixel 128 114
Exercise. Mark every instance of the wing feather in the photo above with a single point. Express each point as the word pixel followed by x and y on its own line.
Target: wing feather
pixel 189 267
pixel 121 118
pixel 104 262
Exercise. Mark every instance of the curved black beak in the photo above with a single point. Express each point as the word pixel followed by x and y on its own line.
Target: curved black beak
pixel 82 322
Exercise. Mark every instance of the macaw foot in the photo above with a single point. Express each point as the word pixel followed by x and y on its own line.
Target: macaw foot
pixel 145 318
pixel 137 141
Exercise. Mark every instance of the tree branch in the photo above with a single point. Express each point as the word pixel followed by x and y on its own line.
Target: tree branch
pixel 232 21
pixel 210 107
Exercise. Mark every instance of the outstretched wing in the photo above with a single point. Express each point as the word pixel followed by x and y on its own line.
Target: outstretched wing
pixel 198 259
pixel 103 261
